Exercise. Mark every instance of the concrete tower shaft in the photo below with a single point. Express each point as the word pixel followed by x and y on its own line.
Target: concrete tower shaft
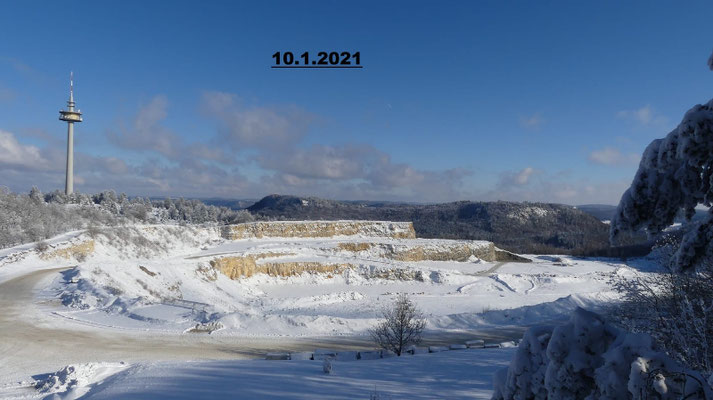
pixel 70 116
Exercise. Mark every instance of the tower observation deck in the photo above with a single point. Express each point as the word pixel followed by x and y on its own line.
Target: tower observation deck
pixel 70 116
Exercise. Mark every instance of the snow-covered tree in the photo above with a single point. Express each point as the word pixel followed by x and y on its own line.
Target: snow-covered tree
pixel 36 196
pixel 675 173
pixel 525 379
pixel 588 358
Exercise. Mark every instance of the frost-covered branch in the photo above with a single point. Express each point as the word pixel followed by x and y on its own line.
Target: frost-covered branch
pixel 675 173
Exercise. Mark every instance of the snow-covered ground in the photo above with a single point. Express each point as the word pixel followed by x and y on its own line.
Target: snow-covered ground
pixel 165 288
pixel 457 374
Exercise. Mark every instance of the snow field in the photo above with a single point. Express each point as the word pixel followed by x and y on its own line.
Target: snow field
pixel 463 374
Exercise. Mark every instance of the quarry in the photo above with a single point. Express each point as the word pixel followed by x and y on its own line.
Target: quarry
pixel 173 292
pixel 290 278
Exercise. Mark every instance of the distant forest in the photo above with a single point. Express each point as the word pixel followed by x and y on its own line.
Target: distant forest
pixel 536 228
pixel 36 216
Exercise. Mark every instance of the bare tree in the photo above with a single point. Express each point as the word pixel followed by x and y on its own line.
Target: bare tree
pixel 402 325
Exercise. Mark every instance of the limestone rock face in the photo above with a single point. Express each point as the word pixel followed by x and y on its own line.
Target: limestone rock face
pixel 237 267
pixel 319 229
pixel 364 249
pixel 436 250
pixel 77 251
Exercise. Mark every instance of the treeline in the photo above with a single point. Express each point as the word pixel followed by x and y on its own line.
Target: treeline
pixel 36 216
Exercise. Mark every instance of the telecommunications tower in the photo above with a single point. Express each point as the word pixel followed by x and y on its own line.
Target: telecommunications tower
pixel 70 116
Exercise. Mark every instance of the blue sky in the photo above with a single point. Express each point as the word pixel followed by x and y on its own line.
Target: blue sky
pixel 537 101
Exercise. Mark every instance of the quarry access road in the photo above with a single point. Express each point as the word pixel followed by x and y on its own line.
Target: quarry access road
pixel 489 271
pixel 33 341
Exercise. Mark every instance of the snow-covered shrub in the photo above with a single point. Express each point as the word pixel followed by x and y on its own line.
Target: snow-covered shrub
pixel 525 378
pixel 588 358
pixel 574 352
pixel 327 365
pixel 676 309
pixel 41 246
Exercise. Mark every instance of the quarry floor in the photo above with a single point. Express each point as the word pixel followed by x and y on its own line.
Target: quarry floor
pixel 34 340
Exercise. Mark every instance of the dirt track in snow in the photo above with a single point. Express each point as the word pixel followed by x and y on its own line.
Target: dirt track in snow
pixel 32 341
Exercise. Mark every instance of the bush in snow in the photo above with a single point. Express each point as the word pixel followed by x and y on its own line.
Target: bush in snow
pixel 675 173
pixel 675 308
pixel 327 365
pixel 588 358
pixel 402 326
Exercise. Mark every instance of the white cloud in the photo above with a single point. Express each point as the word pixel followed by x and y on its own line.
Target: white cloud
pixel 256 127
pixel 532 122
pixel 15 154
pixel 644 116
pixel 516 178
pixel 523 176
pixel 612 156
pixel 147 133
pixel 559 188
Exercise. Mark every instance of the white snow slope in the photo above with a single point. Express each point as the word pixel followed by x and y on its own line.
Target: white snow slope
pixel 157 282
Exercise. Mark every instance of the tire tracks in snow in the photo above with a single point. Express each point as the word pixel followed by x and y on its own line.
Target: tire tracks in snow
pixel 487 272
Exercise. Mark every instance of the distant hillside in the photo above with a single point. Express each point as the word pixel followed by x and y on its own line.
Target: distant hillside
pixel 605 212
pixel 519 227
pixel 602 212
pixel 236 204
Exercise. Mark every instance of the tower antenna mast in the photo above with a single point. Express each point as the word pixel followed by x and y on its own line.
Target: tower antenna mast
pixel 70 116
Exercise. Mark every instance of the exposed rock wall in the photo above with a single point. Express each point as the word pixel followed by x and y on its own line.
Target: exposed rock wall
pixel 436 251
pixel 239 267
pixel 77 251
pixel 319 229
pixel 236 267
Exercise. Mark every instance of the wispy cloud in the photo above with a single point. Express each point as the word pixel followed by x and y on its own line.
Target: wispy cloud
pixel 256 127
pixel 534 121
pixel 6 95
pixel 13 154
pixel 147 133
pixel 644 116
pixel 611 156
pixel 551 187
pixel 509 179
